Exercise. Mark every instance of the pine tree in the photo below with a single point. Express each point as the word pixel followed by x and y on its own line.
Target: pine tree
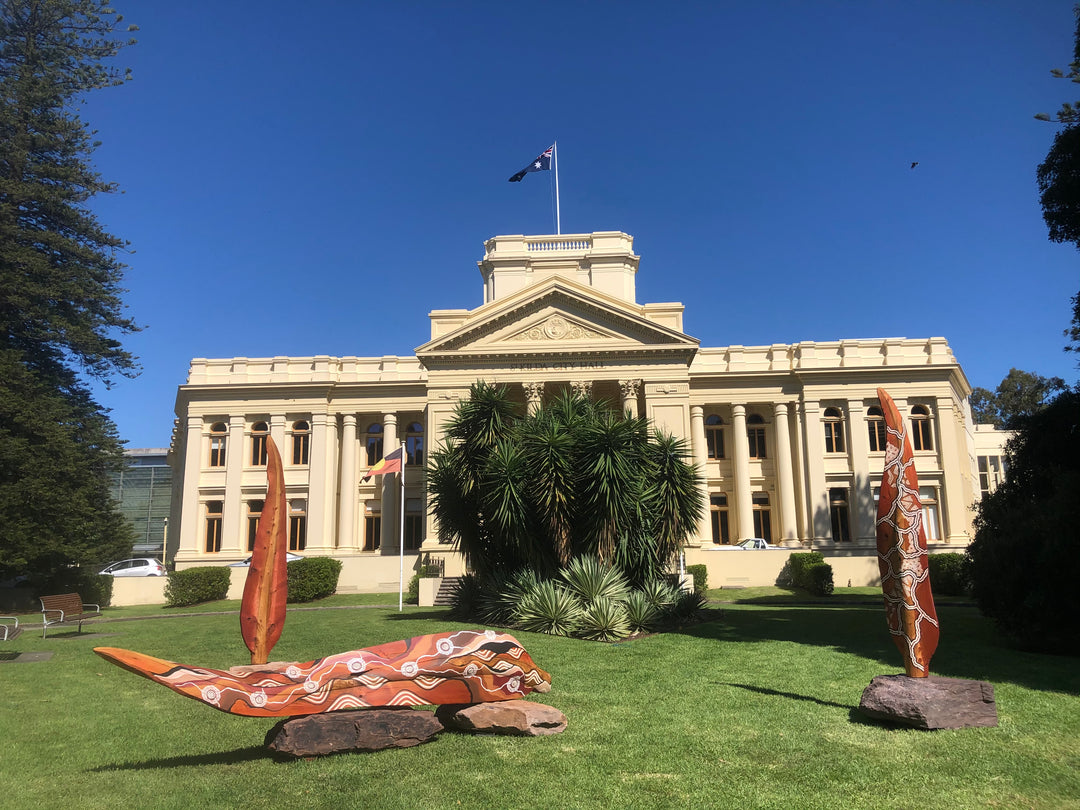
pixel 61 313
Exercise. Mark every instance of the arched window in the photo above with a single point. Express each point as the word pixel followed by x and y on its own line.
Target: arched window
pixel 259 434
pixel 922 437
pixel 755 435
pixel 414 444
pixel 218 432
pixel 373 443
pixel 833 422
pixel 762 516
pixel 213 526
pixel 714 436
pixel 301 442
pixel 875 424
pixel 718 512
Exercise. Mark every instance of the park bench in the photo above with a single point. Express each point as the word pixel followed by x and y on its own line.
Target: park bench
pixel 9 631
pixel 64 608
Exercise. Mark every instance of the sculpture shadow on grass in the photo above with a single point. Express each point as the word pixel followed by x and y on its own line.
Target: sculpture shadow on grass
pixel 854 715
pixel 250 754
pixel 973 650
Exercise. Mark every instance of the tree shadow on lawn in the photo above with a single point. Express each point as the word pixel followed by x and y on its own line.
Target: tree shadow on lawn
pixel 970 646
pixel 250 754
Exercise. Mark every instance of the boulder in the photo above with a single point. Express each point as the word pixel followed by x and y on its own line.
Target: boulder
pixel 930 703
pixel 364 730
pixel 520 718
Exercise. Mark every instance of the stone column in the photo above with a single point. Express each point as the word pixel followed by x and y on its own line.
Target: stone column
pixel 700 457
pixel 190 519
pixel 582 388
pixel 863 509
pixel 784 473
pixel 534 395
pixel 347 499
pixel 320 517
pixel 953 510
pixel 818 497
pixel 277 433
pixel 744 504
pixel 800 471
pixel 232 525
pixel 629 390
pixel 390 534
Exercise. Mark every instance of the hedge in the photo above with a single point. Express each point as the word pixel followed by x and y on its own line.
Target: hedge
pixel 950 574
pixel 700 573
pixel 312 578
pixel 810 572
pixel 194 585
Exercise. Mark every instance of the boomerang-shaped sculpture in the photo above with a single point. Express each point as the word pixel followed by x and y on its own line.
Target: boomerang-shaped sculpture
pixel 901 547
pixel 459 667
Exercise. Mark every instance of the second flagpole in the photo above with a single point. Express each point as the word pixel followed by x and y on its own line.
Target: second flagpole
pixel 555 160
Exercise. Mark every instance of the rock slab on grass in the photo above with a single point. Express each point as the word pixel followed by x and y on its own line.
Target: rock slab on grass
pixel 519 718
pixel 364 730
pixel 930 703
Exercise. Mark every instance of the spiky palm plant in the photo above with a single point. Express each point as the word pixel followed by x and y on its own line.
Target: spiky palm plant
pixel 590 580
pixel 604 620
pixel 548 608
pixel 641 614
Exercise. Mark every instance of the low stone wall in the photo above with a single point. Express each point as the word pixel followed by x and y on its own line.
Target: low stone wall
pixel 732 568
pixel 138 591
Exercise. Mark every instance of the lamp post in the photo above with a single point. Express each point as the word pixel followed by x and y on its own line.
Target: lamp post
pixel 164 539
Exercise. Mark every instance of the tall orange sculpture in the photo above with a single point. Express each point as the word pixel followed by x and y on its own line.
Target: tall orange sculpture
pixel 901 547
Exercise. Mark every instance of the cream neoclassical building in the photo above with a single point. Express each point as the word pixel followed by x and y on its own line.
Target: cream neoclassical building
pixel 789 436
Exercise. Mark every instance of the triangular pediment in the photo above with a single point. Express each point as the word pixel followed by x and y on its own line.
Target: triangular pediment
pixel 555 317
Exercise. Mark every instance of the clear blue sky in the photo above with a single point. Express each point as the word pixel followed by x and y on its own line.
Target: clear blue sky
pixel 315 178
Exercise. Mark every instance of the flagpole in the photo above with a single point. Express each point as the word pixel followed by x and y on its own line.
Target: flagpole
pixel 401 538
pixel 555 158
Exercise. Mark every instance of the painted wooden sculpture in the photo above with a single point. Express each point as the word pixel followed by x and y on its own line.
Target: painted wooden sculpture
pixel 460 667
pixel 465 666
pixel 901 547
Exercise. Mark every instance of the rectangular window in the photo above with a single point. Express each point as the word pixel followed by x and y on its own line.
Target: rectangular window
pixel 301 443
pixel 990 473
pixel 840 515
pixel 762 516
pixel 714 442
pixel 213 526
pixel 374 450
pixel 414 532
pixel 718 508
pixel 834 437
pixel 254 511
pixel 928 497
pixel 756 438
pixel 372 532
pixel 297 525
pixel 878 435
pixel 217 450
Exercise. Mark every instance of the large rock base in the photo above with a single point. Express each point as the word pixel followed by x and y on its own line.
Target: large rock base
pixel 519 718
pixel 364 730
pixel 930 703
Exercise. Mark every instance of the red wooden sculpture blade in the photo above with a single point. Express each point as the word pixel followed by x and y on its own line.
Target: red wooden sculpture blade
pixel 901 546
pixel 262 611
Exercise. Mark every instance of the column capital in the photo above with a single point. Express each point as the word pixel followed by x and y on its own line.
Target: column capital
pixel 738 409
pixel 629 388
pixel 582 388
pixel 780 409
pixel 390 419
pixel 348 419
pixel 697 411
pixel 320 419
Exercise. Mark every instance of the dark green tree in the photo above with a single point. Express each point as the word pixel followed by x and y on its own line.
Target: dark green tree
pixel 571 480
pixel 1020 394
pixel 1024 557
pixel 1059 178
pixel 61 314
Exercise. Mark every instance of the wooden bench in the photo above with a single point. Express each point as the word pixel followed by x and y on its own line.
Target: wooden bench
pixel 9 631
pixel 64 608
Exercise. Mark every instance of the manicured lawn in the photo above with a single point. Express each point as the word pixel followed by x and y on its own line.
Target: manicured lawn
pixel 753 710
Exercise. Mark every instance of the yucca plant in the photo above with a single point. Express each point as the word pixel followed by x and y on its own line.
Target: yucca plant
pixel 548 608
pixel 604 620
pixel 688 608
pixel 641 614
pixel 590 580
pixel 505 596
pixel 659 593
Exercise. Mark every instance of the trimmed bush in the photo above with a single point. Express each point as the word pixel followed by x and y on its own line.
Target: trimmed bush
pixel 700 573
pixel 313 578
pixel 820 579
pixel 194 585
pixel 797 566
pixel 949 574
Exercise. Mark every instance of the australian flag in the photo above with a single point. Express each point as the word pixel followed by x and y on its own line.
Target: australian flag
pixel 541 164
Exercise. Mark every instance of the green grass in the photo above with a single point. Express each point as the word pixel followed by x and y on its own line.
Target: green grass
pixel 756 709
pixel 233 605
pixel 773 595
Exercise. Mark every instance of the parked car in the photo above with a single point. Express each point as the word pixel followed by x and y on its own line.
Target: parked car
pixel 748 544
pixel 138 567
pixel 289 557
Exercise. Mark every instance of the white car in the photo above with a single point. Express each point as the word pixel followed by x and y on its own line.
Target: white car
pixel 138 567
pixel 289 557
pixel 748 544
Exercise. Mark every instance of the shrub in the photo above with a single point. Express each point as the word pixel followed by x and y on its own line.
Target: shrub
pixel 949 574
pixel 312 578
pixel 412 591
pixel 604 620
pixel 88 584
pixel 590 580
pixel 467 599
pixel 819 579
pixel 687 609
pixel 194 585
pixel 700 573
pixel 641 613
pixel 660 594
pixel 548 608
pixel 797 566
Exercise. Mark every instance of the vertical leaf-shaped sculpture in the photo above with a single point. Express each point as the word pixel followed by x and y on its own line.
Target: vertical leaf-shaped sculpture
pixel 901 546
pixel 262 611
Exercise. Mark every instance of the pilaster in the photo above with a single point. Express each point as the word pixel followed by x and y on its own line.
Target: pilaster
pixel 784 476
pixel 320 502
pixel 232 534
pixel 346 537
